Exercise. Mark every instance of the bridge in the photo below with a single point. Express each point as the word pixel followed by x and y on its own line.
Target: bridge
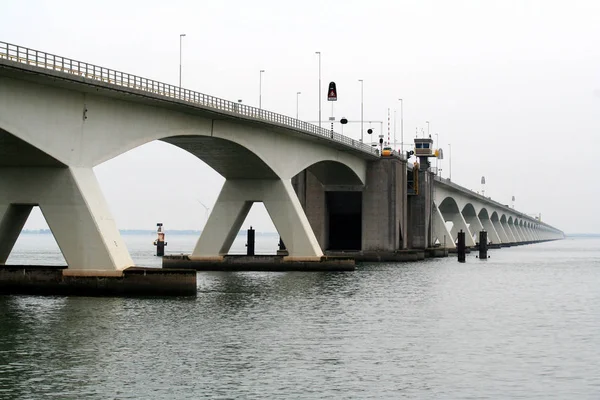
pixel 60 117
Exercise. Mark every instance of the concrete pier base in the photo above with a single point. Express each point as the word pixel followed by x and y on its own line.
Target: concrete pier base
pixel 258 263
pixel 380 256
pixel 134 281
pixel 436 252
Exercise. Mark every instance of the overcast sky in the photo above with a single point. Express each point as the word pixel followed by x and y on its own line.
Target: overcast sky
pixel 513 85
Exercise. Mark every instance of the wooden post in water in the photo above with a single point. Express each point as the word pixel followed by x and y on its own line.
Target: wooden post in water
pixel 483 245
pixel 461 248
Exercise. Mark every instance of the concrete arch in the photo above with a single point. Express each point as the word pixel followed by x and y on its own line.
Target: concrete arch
pixel 229 159
pixel 488 225
pixel 451 212
pixel 15 152
pixel 99 125
pixel 471 218
pixel 335 173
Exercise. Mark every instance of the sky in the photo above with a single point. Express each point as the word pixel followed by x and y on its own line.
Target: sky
pixel 512 85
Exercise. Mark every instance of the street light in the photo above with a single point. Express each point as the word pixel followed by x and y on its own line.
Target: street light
pixel 319 54
pixel 428 135
pixel 260 88
pixel 297 95
pixel 450 161
pixel 180 40
pixel 437 145
pixel 401 126
pixel 361 110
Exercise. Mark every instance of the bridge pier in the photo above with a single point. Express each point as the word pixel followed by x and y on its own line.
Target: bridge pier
pixel 420 209
pixel 440 231
pixel 12 220
pixel 510 237
pixel 487 224
pixel 75 210
pixel 232 207
pixel 384 208
pixel 474 224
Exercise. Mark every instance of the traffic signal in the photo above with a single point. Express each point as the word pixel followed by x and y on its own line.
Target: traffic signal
pixel 369 131
pixel 409 153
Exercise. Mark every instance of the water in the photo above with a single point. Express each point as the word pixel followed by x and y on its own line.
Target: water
pixel 523 324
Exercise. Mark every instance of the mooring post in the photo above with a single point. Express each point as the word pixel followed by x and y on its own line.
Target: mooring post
pixel 250 244
pixel 461 249
pixel 483 245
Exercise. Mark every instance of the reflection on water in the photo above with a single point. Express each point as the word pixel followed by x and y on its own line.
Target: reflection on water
pixel 525 323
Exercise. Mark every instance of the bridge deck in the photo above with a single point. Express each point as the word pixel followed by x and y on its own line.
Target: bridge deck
pixel 25 59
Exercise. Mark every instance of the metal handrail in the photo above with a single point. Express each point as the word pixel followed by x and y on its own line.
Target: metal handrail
pixel 53 62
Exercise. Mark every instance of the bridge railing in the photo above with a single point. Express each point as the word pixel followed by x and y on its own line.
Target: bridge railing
pixel 85 70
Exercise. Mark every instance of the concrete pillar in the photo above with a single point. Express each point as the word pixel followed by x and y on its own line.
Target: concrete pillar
pixel 501 231
pixel 526 234
pixel 440 230
pixel 419 212
pixel 12 220
pixel 493 236
pixel 76 212
pixel 316 209
pixel 515 232
pixel 509 234
pixel 384 206
pixel 458 223
pixel 311 194
pixel 232 207
pixel 474 224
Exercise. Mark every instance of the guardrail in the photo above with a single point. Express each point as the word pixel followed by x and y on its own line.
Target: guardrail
pixel 53 62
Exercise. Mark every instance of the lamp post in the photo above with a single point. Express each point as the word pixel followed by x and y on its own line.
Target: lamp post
pixel 450 161
pixel 361 110
pixel 319 54
pixel 297 96
pixel 427 122
pixel 260 89
pixel 180 41
pixel 437 144
pixel 401 126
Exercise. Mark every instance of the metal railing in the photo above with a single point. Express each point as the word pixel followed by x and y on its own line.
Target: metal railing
pixel 53 62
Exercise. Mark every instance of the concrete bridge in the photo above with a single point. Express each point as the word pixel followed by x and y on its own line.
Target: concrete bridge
pixel 456 208
pixel 61 117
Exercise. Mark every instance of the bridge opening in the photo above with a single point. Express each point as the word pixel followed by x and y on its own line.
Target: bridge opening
pixel 180 194
pixel 345 220
pixel 266 235
pixel 27 239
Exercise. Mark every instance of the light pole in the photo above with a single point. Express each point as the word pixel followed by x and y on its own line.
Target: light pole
pixel 260 89
pixel 319 54
pixel 428 135
pixel 437 144
pixel 180 40
pixel 297 95
pixel 450 161
pixel 401 126
pixel 361 110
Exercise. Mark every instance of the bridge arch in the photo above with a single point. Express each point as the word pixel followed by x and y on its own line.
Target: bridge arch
pixel 472 220
pixel 451 212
